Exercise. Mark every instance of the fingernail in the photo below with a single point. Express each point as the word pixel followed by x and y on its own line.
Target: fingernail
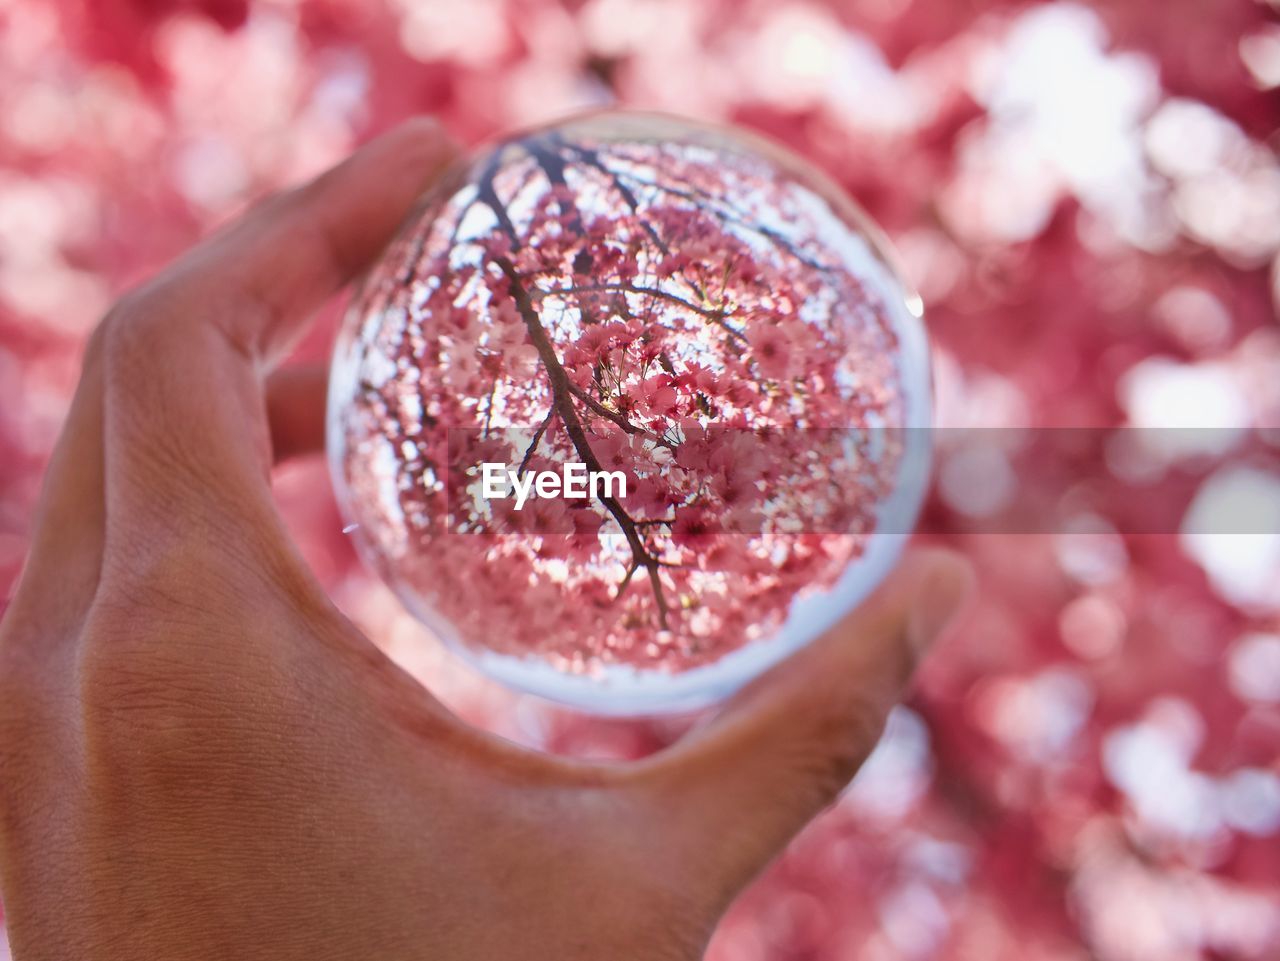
pixel 943 593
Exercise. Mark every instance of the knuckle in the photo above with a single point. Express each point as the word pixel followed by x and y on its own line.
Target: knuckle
pixel 171 640
pixel 204 579
pixel 160 720
pixel 142 310
pixel 169 315
pixel 133 334
pixel 129 664
pixel 158 582
pixel 154 695
pixel 159 626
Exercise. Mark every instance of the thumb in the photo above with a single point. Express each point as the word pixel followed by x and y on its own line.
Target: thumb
pixel 735 792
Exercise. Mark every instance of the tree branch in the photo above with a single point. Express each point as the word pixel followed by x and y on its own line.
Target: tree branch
pixel 718 316
pixel 562 403
pixel 533 444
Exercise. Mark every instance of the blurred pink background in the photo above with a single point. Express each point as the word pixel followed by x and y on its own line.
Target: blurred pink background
pixel 1088 198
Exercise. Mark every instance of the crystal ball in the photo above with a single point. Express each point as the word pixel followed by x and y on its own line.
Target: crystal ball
pixel 631 409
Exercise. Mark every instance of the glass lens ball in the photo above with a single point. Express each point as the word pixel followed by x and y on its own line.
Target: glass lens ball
pixel 632 409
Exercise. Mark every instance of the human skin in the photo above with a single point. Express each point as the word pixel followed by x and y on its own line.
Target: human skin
pixel 201 758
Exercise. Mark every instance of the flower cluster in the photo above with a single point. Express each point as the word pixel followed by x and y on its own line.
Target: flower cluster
pixel 680 313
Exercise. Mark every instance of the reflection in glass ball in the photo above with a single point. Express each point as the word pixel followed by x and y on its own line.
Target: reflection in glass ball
pixel 621 415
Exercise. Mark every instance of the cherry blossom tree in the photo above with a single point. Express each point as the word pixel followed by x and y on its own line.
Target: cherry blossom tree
pixel 642 302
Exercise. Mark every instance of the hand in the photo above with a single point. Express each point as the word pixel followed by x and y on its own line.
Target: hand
pixel 200 757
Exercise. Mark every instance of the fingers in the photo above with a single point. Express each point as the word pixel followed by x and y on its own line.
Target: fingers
pixel 296 410
pixel 288 255
pixel 186 418
pixel 739 789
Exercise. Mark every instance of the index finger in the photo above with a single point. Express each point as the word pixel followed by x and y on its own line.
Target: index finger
pixel 187 449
